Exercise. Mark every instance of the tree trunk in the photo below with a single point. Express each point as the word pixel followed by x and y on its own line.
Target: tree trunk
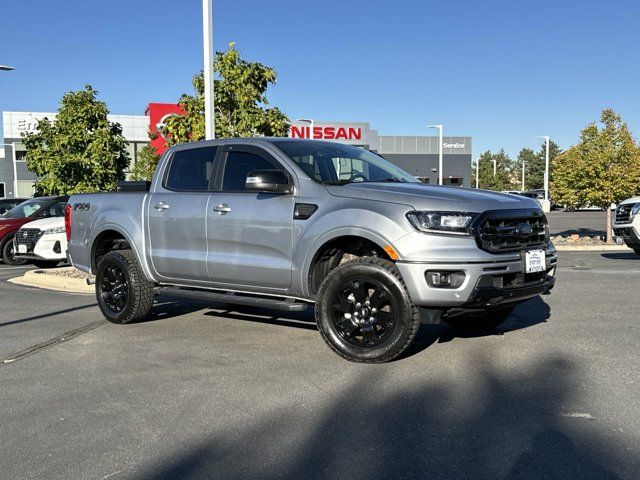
pixel 608 236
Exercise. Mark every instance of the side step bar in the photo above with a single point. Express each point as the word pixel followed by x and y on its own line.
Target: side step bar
pixel 275 303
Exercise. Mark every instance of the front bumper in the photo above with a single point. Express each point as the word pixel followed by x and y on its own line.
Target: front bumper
pixel 486 283
pixel 629 234
pixel 45 247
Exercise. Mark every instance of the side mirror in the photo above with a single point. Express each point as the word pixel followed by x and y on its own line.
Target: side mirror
pixel 270 181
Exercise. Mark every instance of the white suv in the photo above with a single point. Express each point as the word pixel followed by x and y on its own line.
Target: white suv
pixel 44 242
pixel 626 224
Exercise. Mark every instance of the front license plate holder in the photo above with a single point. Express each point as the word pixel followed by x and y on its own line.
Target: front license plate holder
pixel 534 261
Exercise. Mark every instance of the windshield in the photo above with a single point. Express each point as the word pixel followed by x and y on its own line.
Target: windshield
pixel 25 209
pixel 335 164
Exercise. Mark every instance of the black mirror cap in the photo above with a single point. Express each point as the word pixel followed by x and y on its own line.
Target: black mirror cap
pixel 271 181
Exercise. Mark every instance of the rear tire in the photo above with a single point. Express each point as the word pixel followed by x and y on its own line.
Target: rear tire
pixel 124 294
pixel 482 321
pixel 364 312
pixel 8 254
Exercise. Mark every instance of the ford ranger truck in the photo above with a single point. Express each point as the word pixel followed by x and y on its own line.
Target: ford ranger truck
pixel 626 223
pixel 283 223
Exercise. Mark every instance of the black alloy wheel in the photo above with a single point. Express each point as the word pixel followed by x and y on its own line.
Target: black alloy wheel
pixel 364 312
pixel 114 288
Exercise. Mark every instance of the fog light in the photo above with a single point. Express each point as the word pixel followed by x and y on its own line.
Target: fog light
pixel 444 279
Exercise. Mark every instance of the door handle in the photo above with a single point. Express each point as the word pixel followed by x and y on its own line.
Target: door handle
pixel 222 209
pixel 161 206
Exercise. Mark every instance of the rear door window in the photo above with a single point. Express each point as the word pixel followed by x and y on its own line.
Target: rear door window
pixel 191 170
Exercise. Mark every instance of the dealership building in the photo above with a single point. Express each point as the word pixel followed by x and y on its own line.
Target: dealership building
pixel 417 155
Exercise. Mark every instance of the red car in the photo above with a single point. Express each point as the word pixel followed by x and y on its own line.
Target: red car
pixel 26 212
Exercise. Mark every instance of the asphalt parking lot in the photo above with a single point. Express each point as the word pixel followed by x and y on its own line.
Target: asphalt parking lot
pixel 583 222
pixel 202 392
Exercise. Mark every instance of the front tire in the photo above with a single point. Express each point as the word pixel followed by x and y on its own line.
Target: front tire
pixel 364 312
pixel 482 321
pixel 8 254
pixel 124 294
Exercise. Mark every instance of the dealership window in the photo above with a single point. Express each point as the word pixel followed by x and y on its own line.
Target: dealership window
pixel 21 155
pixel 454 181
pixel 424 179
pixel 2 194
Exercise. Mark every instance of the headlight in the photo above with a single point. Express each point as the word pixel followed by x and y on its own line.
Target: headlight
pixel 51 231
pixel 456 223
pixel 635 209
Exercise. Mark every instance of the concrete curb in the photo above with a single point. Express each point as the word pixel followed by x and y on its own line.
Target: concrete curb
pixel 593 248
pixel 42 279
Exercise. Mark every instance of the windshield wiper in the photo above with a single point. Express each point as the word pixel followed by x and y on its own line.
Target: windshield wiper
pixel 337 182
pixel 390 179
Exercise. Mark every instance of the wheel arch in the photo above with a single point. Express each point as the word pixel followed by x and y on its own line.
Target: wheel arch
pixel 113 237
pixel 336 247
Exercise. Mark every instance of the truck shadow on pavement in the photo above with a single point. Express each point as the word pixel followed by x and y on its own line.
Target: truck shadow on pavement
pixel 511 422
pixel 621 256
pixel 527 314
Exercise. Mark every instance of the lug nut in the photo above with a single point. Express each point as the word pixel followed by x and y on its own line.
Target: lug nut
pixel 374 310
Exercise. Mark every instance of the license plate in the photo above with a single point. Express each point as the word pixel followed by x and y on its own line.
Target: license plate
pixel 22 249
pixel 620 240
pixel 534 261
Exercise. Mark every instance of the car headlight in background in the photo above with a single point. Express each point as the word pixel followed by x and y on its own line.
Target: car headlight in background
pixel 635 209
pixel 456 223
pixel 51 231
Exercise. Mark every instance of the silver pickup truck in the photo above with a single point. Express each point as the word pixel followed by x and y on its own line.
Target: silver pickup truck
pixel 285 223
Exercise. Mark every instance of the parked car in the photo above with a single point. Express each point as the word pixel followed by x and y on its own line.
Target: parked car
pixel 21 214
pixel 42 242
pixel 283 223
pixel 7 204
pixel 626 223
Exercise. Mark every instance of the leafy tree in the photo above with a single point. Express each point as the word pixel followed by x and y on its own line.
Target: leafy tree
pixel 240 103
pixel 603 168
pixel 530 159
pixel 79 151
pixel 487 179
pixel 146 165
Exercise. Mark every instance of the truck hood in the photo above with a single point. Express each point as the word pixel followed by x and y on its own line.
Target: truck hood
pixel 422 196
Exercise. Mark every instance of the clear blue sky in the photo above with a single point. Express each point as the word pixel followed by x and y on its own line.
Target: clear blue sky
pixel 500 71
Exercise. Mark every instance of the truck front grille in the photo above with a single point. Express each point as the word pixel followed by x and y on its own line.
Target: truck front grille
pixel 28 237
pixel 503 231
pixel 623 214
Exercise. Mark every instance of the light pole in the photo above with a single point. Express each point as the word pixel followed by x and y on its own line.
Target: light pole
pixel 440 128
pixel 495 166
pixel 207 39
pixel 546 204
pixel 6 68
pixel 310 122
pixel 477 172
pixel 523 174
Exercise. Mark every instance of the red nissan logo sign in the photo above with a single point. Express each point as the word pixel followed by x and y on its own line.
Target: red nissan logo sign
pixel 326 133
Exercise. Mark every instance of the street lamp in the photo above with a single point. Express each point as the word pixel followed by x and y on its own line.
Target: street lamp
pixel 439 127
pixel 310 122
pixel 523 163
pixel 207 41
pixel 495 166
pixel 6 68
pixel 477 172
pixel 546 204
